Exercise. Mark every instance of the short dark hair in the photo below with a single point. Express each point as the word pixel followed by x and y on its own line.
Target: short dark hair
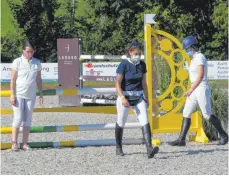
pixel 28 43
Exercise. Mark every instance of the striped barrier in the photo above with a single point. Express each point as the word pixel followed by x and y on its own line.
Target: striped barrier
pixel 68 92
pixel 77 143
pixel 70 128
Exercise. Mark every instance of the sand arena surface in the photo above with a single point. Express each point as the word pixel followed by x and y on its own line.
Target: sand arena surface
pixel 195 158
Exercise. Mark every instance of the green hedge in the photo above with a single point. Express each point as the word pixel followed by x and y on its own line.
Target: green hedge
pixel 219 99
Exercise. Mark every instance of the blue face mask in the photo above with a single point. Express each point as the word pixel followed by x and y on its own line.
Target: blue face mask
pixel 189 52
pixel 136 59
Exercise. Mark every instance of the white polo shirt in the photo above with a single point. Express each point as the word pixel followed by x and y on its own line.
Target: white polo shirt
pixel 198 59
pixel 26 76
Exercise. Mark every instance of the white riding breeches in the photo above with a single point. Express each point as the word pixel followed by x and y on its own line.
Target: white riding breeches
pixel 140 110
pixel 200 96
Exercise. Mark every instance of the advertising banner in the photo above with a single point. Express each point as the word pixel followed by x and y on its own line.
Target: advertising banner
pixel 49 72
pixel 106 71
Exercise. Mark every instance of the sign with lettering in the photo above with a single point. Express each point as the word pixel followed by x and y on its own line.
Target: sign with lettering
pixel 68 63
pixel 218 70
pixel 49 72
pixel 100 68
pixel 100 71
pixel 68 69
pixel 106 71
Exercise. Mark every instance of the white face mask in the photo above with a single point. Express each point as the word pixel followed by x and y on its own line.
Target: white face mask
pixel 136 58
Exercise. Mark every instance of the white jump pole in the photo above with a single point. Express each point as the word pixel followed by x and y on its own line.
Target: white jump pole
pixel 104 57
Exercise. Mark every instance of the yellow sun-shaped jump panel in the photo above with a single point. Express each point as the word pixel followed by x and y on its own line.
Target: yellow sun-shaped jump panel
pixel 168 47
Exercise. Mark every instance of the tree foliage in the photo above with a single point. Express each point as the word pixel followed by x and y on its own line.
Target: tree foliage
pixel 108 26
pixel 118 22
pixel 41 26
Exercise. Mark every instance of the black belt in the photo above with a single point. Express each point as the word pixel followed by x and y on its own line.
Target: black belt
pixel 134 100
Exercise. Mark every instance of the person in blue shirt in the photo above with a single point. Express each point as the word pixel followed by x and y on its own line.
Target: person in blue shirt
pixel 132 90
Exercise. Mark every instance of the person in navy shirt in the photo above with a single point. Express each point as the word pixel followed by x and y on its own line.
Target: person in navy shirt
pixel 132 90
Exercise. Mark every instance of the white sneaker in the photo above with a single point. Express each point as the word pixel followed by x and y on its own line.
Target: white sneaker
pixel 14 147
pixel 26 147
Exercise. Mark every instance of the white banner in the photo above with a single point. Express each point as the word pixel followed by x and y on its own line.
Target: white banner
pixel 49 72
pixel 100 69
pixel 216 70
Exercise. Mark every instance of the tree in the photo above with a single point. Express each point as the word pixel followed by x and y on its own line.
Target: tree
pixel 200 18
pixel 220 37
pixel 109 26
pixel 10 47
pixel 41 26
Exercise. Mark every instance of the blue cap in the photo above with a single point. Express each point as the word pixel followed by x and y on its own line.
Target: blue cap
pixel 136 44
pixel 189 41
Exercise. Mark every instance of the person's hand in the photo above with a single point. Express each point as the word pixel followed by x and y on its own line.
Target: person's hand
pixel 41 100
pixel 125 102
pixel 188 93
pixel 13 100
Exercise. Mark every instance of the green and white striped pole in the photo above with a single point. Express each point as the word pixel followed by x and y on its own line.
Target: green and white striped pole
pixel 77 143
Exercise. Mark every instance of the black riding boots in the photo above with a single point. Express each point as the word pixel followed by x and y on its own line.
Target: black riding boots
pixel 151 151
pixel 118 137
pixel 184 130
pixel 223 135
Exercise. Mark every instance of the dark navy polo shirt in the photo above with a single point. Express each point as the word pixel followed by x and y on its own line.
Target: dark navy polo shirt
pixel 132 75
